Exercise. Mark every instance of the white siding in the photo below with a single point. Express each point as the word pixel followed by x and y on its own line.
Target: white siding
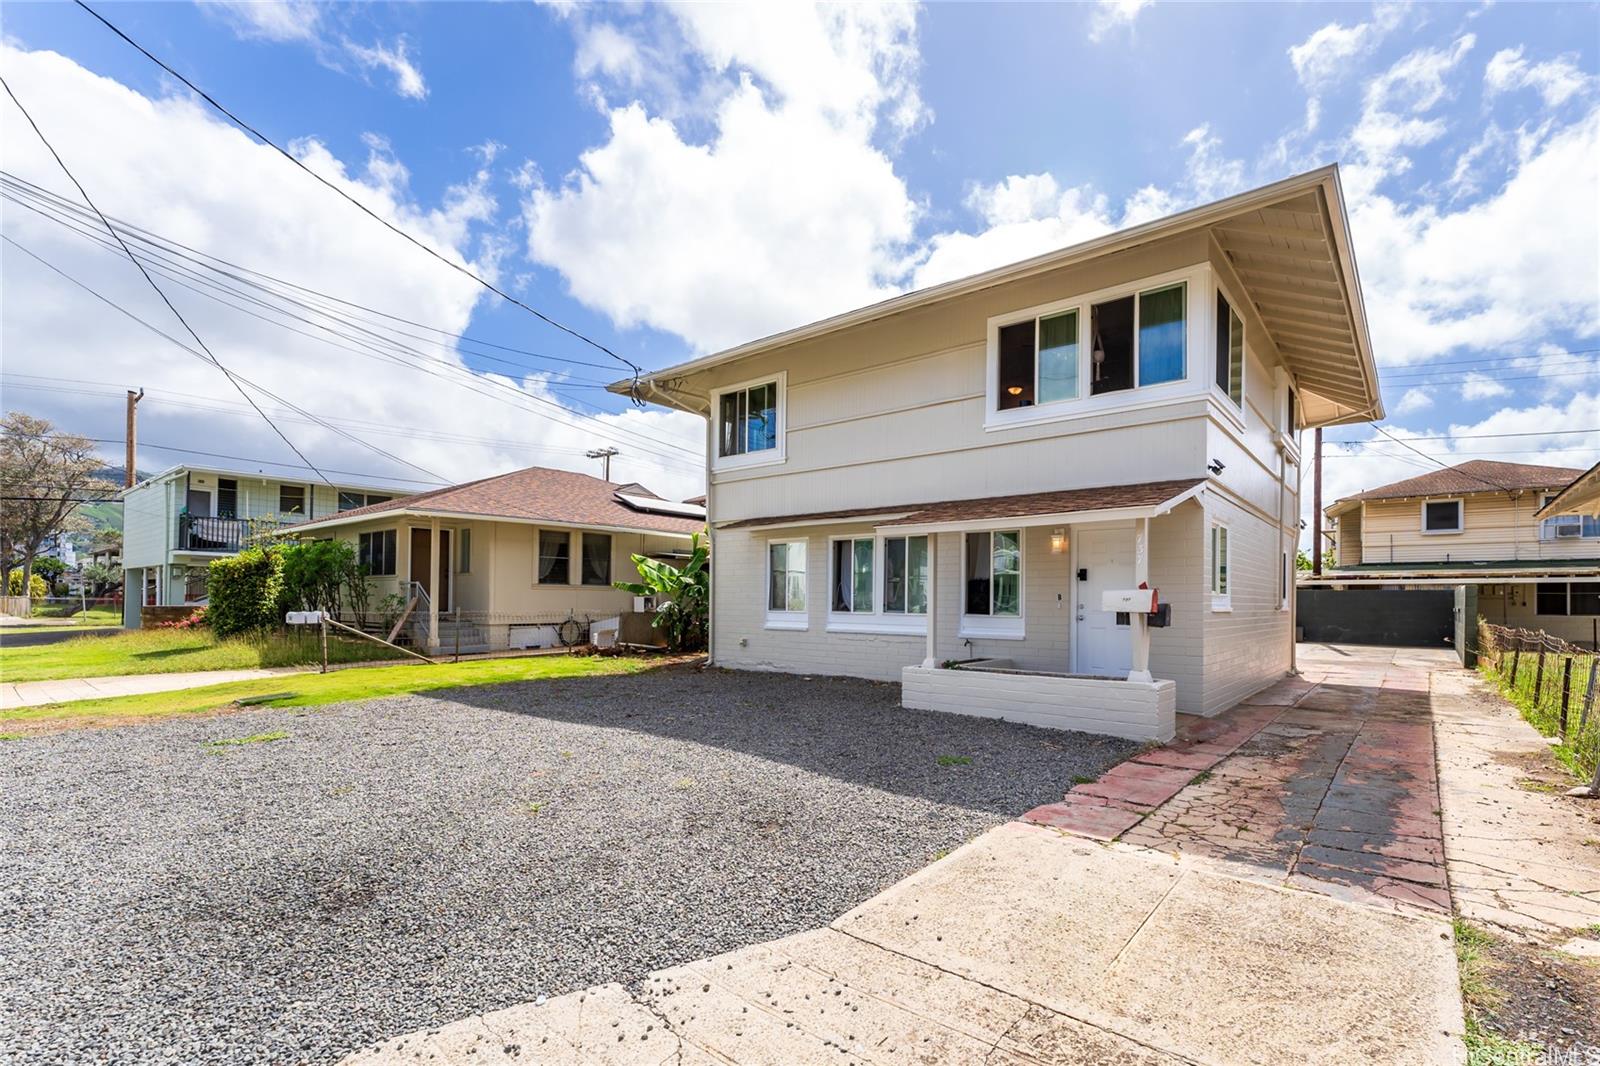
pixel 1248 647
pixel 146 529
pixel 1495 527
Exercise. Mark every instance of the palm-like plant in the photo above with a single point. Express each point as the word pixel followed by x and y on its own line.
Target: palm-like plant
pixel 683 595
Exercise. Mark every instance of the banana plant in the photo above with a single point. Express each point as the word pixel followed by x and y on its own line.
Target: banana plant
pixel 682 594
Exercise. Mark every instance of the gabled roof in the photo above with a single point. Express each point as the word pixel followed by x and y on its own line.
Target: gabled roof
pixel 1477 475
pixel 1580 497
pixel 1287 246
pixel 536 494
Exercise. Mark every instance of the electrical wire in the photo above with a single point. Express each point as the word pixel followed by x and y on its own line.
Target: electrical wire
pixel 264 139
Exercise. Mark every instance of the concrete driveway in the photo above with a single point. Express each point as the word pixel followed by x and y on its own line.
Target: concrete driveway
pixel 1276 895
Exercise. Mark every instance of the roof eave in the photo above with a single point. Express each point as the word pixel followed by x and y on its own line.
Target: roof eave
pixel 469 516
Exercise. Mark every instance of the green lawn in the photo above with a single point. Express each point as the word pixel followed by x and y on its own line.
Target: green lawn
pixel 309 690
pixel 166 651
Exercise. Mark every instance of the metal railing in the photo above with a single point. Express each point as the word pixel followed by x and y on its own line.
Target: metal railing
pixel 1553 682
pixel 205 533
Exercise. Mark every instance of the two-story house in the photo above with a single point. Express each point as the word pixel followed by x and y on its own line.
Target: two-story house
pixel 1483 524
pixel 993 474
pixel 176 522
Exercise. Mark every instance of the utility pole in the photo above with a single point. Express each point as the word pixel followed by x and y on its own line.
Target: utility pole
pixel 604 455
pixel 1316 507
pixel 128 462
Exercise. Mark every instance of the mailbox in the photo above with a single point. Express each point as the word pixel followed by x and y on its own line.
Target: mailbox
pixel 303 618
pixel 1131 601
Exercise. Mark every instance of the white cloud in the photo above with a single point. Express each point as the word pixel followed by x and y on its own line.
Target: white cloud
pixel 1476 386
pixel 396 59
pixel 1331 53
pixel 1110 15
pixel 1414 400
pixel 785 210
pixel 167 165
pixel 1555 80
pixel 272 20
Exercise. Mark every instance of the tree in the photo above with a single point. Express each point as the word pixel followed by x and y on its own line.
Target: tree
pixel 683 596
pixel 37 589
pixel 50 568
pixel 44 475
pixel 99 578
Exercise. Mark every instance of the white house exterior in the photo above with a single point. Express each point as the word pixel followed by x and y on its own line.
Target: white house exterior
pixel 966 472
pixel 176 522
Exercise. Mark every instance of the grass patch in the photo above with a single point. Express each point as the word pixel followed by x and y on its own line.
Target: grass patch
pixel 12 736
pixel 1084 779
pixel 341 686
pixel 1577 752
pixel 1485 1047
pixel 167 651
pixel 254 738
pixel 1203 775
pixel 955 760
pixel 533 809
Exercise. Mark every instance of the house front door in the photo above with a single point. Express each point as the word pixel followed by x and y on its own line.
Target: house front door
pixel 1105 562
pixel 422 563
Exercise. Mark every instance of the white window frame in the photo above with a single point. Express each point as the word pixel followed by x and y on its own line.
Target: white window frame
pixel 882 571
pixel 1072 308
pixel 787 620
pixel 833 543
pixel 1244 349
pixel 1195 279
pixel 1286 577
pixel 1548 527
pixel 878 620
pixel 1218 582
pixel 766 457
pixel 991 626
pixel 1461 517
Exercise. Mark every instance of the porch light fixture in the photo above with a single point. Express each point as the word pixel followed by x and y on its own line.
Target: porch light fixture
pixel 1058 541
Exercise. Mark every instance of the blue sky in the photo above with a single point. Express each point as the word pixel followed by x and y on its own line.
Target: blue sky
pixel 672 180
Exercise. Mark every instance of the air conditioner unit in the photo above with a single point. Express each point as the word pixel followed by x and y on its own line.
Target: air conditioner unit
pixel 642 604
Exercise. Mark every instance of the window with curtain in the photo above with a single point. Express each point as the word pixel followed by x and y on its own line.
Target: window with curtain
pixel 786 577
pixel 1162 331
pixel 1230 350
pixel 994 573
pixel 852 575
pixel 555 557
pixel 1038 361
pixel 597 559
pixel 905 575
pixel 747 420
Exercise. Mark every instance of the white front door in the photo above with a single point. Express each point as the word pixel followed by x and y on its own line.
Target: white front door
pixel 1105 562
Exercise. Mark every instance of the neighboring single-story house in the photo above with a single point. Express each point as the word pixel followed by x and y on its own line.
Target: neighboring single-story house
pixel 1000 473
pixel 504 561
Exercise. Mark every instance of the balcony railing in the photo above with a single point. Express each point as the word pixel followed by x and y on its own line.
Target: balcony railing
pixel 202 533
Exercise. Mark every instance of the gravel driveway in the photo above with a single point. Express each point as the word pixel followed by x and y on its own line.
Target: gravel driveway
pixel 395 864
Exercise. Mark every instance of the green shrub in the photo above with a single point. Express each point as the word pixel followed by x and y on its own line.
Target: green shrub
pixel 37 589
pixel 246 591
pixel 314 572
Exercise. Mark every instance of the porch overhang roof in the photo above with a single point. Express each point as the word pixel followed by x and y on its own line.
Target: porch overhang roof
pixel 1582 496
pixel 1105 503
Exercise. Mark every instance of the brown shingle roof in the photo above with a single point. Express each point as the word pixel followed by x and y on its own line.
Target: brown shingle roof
pixel 1478 475
pixel 535 494
pixel 1066 501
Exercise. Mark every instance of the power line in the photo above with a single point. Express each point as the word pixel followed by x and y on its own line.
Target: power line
pixel 264 139
pixel 146 274
pixel 1487 436
pixel 259 388
pixel 1431 459
pixel 524 399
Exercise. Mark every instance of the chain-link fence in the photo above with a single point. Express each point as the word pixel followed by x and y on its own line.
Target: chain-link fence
pixel 1554 684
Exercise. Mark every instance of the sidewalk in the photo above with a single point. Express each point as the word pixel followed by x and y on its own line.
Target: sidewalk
pixel 1024 946
pixel 38 693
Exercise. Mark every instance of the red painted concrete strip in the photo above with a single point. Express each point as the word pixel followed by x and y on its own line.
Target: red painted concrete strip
pixel 1097 821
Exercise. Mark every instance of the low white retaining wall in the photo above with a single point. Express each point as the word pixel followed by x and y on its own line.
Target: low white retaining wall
pixel 1132 709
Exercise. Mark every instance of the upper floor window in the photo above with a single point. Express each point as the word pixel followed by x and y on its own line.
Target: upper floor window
pixel 1441 516
pixel 349 501
pixel 1230 350
pixel 1138 340
pixel 227 497
pixel 1039 361
pixel 747 419
pixel 1568 526
pixel 291 499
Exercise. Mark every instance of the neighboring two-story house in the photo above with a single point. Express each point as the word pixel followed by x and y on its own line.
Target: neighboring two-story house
pixel 176 522
pixel 1478 523
pixel 986 472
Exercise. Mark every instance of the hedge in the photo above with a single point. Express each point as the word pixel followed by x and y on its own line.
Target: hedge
pixel 246 591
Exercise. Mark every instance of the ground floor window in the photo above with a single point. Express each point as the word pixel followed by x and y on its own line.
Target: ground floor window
pixel 905 575
pixel 1220 581
pixel 1561 598
pixel 852 575
pixel 194 582
pixel 375 553
pixel 555 557
pixel 152 586
pixel 597 559
pixel 786 577
pixel 994 573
